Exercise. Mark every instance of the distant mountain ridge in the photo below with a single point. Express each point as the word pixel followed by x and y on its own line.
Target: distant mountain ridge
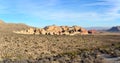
pixel 114 29
pixel 97 28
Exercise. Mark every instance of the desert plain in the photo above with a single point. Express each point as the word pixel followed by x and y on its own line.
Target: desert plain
pixel 31 48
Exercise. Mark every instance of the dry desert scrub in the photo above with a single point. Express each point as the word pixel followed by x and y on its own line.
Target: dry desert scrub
pixel 26 47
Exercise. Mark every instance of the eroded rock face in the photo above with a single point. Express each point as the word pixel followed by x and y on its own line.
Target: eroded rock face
pixel 55 30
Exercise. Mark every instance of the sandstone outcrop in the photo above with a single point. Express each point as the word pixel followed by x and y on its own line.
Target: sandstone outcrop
pixel 55 30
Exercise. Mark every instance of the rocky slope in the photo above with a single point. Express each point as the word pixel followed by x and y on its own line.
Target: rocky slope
pixel 10 27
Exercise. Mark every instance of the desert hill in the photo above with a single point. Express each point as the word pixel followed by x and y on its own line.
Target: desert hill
pixel 115 29
pixel 12 26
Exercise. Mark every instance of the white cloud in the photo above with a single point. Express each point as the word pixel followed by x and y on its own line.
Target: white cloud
pixel 116 7
pixel 97 3
pixel 61 15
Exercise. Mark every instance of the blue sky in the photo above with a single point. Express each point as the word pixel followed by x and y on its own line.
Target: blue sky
pixel 39 13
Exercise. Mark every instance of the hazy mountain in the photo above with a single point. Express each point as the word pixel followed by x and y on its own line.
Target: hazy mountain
pixel 115 29
pixel 97 28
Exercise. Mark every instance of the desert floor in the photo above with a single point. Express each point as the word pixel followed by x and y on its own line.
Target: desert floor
pixel 19 48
